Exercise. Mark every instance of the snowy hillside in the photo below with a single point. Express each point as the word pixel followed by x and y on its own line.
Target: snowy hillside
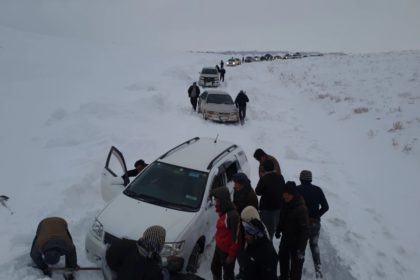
pixel 354 120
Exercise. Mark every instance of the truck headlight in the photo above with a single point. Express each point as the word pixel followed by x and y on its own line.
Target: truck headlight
pixel 97 229
pixel 172 248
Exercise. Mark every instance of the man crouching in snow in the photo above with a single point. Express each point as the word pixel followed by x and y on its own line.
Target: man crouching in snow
pixel 129 259
pixel 52 241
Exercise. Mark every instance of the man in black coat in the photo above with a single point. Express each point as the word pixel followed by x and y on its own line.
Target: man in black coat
pixel 294 227
pixel 53 240
pixel 243 196
pixel 240 102
pixel 193 94
pixel 260 255
pixel 222 74
pixel 317 206
pixel 140 260
pixel 270 188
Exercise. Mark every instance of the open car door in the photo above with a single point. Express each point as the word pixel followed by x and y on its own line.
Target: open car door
pixel 114 176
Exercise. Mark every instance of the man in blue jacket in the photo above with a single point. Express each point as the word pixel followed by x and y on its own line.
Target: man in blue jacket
pixel 317 206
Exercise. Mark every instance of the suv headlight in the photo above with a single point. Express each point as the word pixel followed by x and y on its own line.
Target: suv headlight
pixel 172 248
pixel 97 229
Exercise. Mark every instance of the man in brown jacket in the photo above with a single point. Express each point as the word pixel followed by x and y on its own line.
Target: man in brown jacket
pixel 261 156
pixel 52 241
pixel 294 227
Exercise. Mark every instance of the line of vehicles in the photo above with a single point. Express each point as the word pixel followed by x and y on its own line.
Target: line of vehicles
pixel 234 61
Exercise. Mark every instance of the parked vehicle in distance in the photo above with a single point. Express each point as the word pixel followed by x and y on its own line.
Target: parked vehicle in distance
pixel 296 55
pixel 209 77
pixel 286 56
pixel 277 57
pixel 268 56
pixel 249 59
pixel 217 105
pixel 231 62
pixel 238 61
pixel 173 191
pixel 257 58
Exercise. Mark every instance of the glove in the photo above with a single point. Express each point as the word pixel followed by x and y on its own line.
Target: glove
pixel 47 272
pixel 300 255
pixel 229 259
pixel 277 235
pixel 175 263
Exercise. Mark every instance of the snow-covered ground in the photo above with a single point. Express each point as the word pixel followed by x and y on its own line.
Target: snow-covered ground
pixel 354 120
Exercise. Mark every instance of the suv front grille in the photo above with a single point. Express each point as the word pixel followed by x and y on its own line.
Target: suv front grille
pixel 109 238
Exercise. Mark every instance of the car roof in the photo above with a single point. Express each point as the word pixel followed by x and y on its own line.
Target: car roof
pixel 212 68
pixel 197 154
pixel 215 91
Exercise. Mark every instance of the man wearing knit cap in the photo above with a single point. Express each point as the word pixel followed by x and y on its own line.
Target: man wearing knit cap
pixel 243 195
pixel 130 259
pixel 317 206
pixel 294 227
pixel 270 188
pixel 261 156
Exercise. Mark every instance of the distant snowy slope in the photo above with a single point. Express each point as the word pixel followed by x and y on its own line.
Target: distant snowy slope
pixel 353 120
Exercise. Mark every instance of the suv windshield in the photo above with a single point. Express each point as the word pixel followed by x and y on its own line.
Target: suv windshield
pixel 212 71
pixel 219 99
pixel 169 186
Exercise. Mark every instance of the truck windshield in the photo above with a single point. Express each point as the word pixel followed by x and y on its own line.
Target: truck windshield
pixel 169 186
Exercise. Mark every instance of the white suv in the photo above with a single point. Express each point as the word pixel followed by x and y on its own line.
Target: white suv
pixel 173 191
pixel 209 77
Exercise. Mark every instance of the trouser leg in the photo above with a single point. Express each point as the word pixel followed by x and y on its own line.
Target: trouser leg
pixel 296 266
pixel 270 220
pixel 241 260
pixel 284 260
pixel 216 265
pixel 313 243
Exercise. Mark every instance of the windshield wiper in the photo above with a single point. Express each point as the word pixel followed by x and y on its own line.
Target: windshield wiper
pixel 131 193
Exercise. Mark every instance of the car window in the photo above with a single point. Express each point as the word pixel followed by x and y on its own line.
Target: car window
pixel 212 71
pixel 219 99
pixel 203 95
pixel 170 186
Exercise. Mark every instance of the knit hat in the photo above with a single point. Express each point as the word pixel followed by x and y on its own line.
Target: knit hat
pixel 52 256
pixel 241 178
pixel 259 153
pixel 154 238
pixel 268 165
pixel 306 176
pixel 249 213
pixel 290 188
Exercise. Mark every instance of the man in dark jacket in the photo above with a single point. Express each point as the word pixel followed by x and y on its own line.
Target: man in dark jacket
pixel 270 188
pixel 243 196
pixel 240 102
pixel 222 74
pixel 53 240
pixel 193 94
pixel 260 255
pixel 261 156
pixel 317 206
pixel 130 259
pixel 226 237
pixel 294 227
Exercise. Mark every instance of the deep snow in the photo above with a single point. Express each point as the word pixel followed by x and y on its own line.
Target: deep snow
pixel 64 102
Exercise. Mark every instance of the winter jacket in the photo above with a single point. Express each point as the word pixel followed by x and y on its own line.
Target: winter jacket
pixel 245 197
pixel 315 200
pixel 241 99
pixel 227 223
pixel 190 91
pixel 52 233
pixel 127 259
pixel 294 223
pixel 276 165
pixel 261 260
pixel 270 188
